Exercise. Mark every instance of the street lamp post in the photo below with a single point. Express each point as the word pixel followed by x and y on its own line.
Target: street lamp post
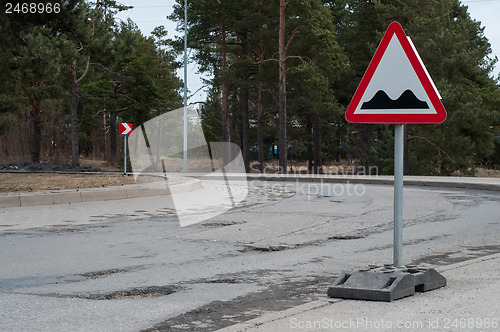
pixel 185 87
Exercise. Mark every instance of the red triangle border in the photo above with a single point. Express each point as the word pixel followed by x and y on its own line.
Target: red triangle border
pixel 439 117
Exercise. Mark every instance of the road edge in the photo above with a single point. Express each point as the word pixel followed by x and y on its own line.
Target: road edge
pixel 145 190
pixel 50 197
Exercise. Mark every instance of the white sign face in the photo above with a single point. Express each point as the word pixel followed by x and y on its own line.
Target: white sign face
pixel 396 78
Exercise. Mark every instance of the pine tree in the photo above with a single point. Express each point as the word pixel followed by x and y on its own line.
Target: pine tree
pixel 456 54
pixel 455 51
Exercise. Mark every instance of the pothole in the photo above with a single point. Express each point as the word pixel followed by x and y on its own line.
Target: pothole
pixel 220 224
pixel 223 281
pixel 254 248
pixel 104 273
pixel 347 237
pixel 139 292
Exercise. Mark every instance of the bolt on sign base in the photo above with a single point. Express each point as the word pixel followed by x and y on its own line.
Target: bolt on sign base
pixel 385 283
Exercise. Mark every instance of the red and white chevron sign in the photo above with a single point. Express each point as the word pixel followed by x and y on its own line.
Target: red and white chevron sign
pixel 125 128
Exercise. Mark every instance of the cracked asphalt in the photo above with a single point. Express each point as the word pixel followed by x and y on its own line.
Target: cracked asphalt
pixel 129 266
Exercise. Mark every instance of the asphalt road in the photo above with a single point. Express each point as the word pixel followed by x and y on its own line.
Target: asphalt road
pixel 128 265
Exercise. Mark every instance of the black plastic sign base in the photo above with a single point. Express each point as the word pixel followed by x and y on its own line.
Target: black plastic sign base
pixel 385 283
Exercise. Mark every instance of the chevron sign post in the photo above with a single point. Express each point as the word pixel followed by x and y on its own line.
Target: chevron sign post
pixel 125 129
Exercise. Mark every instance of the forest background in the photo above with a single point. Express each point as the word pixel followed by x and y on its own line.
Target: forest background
pixel 282 74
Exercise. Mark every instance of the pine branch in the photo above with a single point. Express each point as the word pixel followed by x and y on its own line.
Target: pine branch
pixel 434 145
pixel 294 34
pixel 85 72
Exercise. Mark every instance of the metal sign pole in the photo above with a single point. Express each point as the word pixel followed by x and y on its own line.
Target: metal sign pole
pixel 389 72
pixel 125 153
pixel 398 194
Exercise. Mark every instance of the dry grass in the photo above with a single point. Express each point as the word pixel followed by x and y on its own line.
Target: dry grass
pixel 488 173
pixel 89 162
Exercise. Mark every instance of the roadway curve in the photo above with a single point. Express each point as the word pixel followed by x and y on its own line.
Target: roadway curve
pixel 128 265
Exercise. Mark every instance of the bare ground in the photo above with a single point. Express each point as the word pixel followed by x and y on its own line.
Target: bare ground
pixel 17 182
pixel 27 182
pixel 488 173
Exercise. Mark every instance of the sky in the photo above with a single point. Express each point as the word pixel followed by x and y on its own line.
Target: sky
pixel 148 14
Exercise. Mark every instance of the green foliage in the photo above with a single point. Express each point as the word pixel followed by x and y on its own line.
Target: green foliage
pixel 329 46
pixel 457 55
pixel 129 75
pixel 140 88
pixel 211 118
pixel 382 151
pixel 243 32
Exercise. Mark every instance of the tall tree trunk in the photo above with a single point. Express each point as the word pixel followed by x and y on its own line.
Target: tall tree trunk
pixel 234 121
pixel 318 156
pixel 260 144
pixel 260 107
pixel 366 143
pixel 112 137
pixel 224 104
pixel 106 140
pixel 75 142
pixel 245 131
pixel 310 152
pixel 37 134
pixel 36 116
pixel 244 95
pixel 260 97
pixel 283 144
pixel 224 97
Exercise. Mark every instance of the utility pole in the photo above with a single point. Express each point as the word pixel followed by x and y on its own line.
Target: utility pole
pixel 185 88
pixel 283 144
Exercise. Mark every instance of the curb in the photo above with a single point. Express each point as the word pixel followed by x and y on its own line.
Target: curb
pixel 274 316
pixel 94 195
pixel 492 184
pixel 472 183
pixel 279 315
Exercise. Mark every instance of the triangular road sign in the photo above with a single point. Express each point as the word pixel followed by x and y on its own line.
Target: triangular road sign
pixel 396 87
